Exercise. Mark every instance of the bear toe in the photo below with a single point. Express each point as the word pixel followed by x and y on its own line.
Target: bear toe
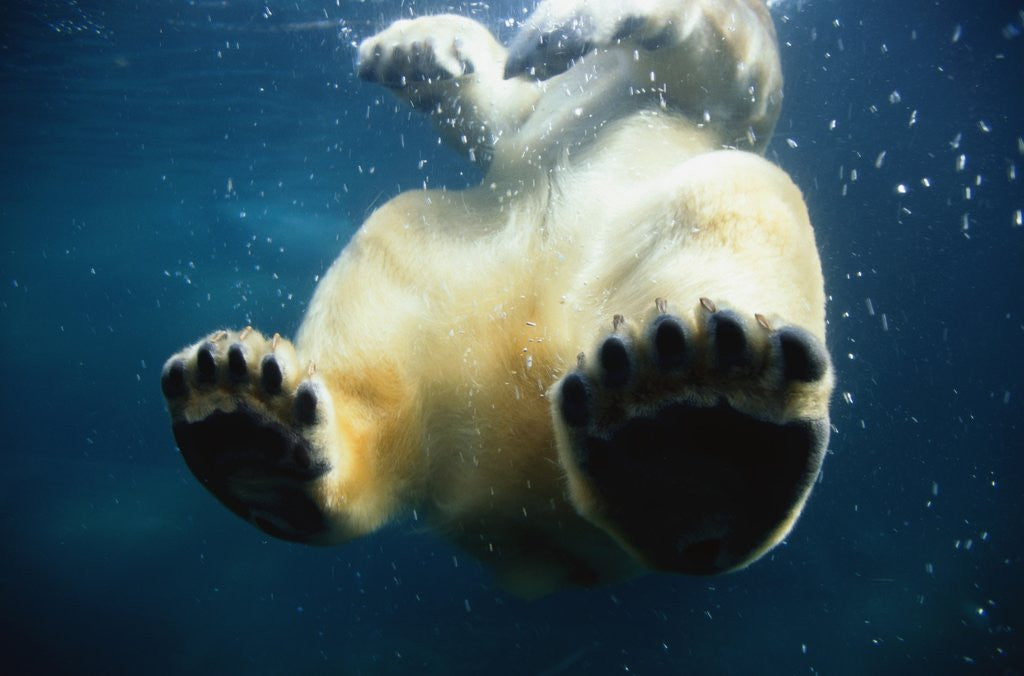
pixel 803 358
pixel 615 362
pixel 238 370
pixel 271 376
pixel 305 408
pixel 206 364
pixel 670 343
pixel 729 340
pixel 172 382
pixel 574 400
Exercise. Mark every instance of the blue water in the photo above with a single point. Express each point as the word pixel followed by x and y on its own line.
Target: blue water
pixel 167 168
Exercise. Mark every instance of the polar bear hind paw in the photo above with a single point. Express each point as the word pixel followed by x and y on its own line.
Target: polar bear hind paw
pixel 694 443
pixel 247 426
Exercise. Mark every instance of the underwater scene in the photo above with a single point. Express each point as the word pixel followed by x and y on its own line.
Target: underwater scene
pixel 172 168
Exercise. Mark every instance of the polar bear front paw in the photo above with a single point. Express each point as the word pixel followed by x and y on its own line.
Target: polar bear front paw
pixel 250 424
pixel 428 49
pixel 695 443
pixel 559 33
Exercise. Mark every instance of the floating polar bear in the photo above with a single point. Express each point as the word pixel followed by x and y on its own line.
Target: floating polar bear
pixel 608 356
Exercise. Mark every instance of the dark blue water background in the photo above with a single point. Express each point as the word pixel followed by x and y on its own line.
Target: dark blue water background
pixel 171 167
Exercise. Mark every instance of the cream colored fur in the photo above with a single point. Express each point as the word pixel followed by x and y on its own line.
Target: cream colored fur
pixel 441 332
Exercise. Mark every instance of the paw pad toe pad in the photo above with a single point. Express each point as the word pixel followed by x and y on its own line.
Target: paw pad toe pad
pixel 730 339
pixel 574 401
pixel 271 376
pixel 615 362
pixel 305 404
pixel 206 365
pixel 237 368
pixel 670 343
pixel 173 381
pixel 802 360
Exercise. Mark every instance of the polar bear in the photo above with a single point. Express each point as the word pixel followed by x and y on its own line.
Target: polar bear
pixel 608 357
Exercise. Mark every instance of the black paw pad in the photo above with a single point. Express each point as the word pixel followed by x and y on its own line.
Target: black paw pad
pixel 628 27
pixel 365 68
pixel 173 381
pixel 395 69
pixel 270 375
pixel 206 365
pixel 614 359
pixel 669 343
pixel 636 27
pixel 545 55
pixel 237 369
pixel 729 340
pixel 305 404
pixel 574 403
pixel 802 361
